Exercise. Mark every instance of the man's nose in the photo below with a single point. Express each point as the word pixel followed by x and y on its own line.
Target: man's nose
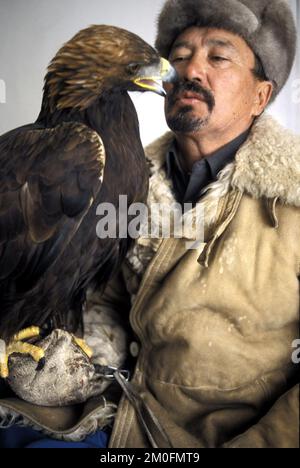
pixel 195 70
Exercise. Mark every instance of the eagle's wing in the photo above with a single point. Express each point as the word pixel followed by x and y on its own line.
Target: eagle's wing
pixel 48 180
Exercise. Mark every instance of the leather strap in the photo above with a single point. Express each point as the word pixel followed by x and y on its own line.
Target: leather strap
pixel 153 429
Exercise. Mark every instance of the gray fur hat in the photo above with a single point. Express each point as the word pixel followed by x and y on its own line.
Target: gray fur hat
pixel 266 25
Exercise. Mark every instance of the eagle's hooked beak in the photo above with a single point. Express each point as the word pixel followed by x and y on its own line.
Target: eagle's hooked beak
pixel 150 78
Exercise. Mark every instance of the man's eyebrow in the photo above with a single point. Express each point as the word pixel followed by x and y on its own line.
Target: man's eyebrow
pixel 180 44
pixel 210 42
pixel 221 43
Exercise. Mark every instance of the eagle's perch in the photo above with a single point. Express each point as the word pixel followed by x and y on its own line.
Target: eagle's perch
pixel 84 149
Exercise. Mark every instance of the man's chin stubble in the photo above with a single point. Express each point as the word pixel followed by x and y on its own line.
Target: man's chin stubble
pixel 182 122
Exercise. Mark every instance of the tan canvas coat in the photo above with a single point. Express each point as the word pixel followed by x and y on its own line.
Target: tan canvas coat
pixel 215 325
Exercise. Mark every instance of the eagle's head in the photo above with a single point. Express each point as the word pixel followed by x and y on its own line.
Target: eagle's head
pixel 100 59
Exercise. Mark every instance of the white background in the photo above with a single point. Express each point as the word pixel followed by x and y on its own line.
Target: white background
pixel 31 32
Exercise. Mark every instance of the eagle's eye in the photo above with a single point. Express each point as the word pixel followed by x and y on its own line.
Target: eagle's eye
pixel 133 68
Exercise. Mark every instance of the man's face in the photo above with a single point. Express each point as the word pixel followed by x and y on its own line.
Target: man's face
pixel 217 88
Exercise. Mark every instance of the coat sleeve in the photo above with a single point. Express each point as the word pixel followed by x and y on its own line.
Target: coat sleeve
pixel 115 297
pixel 106 323
pixel 279 428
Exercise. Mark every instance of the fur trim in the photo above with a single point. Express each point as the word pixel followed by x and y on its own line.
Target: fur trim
pixel 266 25
pixel 267 165
pixel 98 420
pixel 160 192
pixel 104 332
pixel 145 247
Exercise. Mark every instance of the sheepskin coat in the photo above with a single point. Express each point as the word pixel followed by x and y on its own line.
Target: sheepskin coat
pixel 214 325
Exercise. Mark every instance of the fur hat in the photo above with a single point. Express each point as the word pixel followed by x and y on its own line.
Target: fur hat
pixel 267 26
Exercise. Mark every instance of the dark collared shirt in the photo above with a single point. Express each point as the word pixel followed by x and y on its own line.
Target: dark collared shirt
pixel 188 186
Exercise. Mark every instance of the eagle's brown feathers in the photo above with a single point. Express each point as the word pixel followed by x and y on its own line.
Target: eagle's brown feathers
pixel 85 67
pixel 84 149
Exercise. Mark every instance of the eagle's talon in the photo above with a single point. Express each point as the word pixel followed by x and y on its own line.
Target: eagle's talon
pixel 26 334
pixel 17 346
pixel 41 364
pixel 83 346
pixel 3 360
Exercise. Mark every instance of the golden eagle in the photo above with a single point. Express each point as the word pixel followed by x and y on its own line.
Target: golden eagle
pixel 84 149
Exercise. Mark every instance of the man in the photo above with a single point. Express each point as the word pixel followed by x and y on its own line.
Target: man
pixel 214 326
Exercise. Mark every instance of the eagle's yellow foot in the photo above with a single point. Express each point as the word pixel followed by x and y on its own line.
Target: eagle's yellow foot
pixel 16 345
pixel 82 345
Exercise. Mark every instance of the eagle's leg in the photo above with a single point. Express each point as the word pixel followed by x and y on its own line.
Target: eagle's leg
pixel 17 346
pixel 82 345
pixel 27 333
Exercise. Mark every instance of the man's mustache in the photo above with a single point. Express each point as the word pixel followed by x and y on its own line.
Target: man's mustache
pixel 193 86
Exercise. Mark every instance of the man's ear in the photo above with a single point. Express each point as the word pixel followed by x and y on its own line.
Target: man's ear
pixel 264 91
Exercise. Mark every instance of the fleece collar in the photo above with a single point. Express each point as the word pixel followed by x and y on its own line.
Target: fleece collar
pixel 266 165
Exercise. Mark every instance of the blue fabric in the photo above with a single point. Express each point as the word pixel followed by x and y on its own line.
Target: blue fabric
pixel 25 437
